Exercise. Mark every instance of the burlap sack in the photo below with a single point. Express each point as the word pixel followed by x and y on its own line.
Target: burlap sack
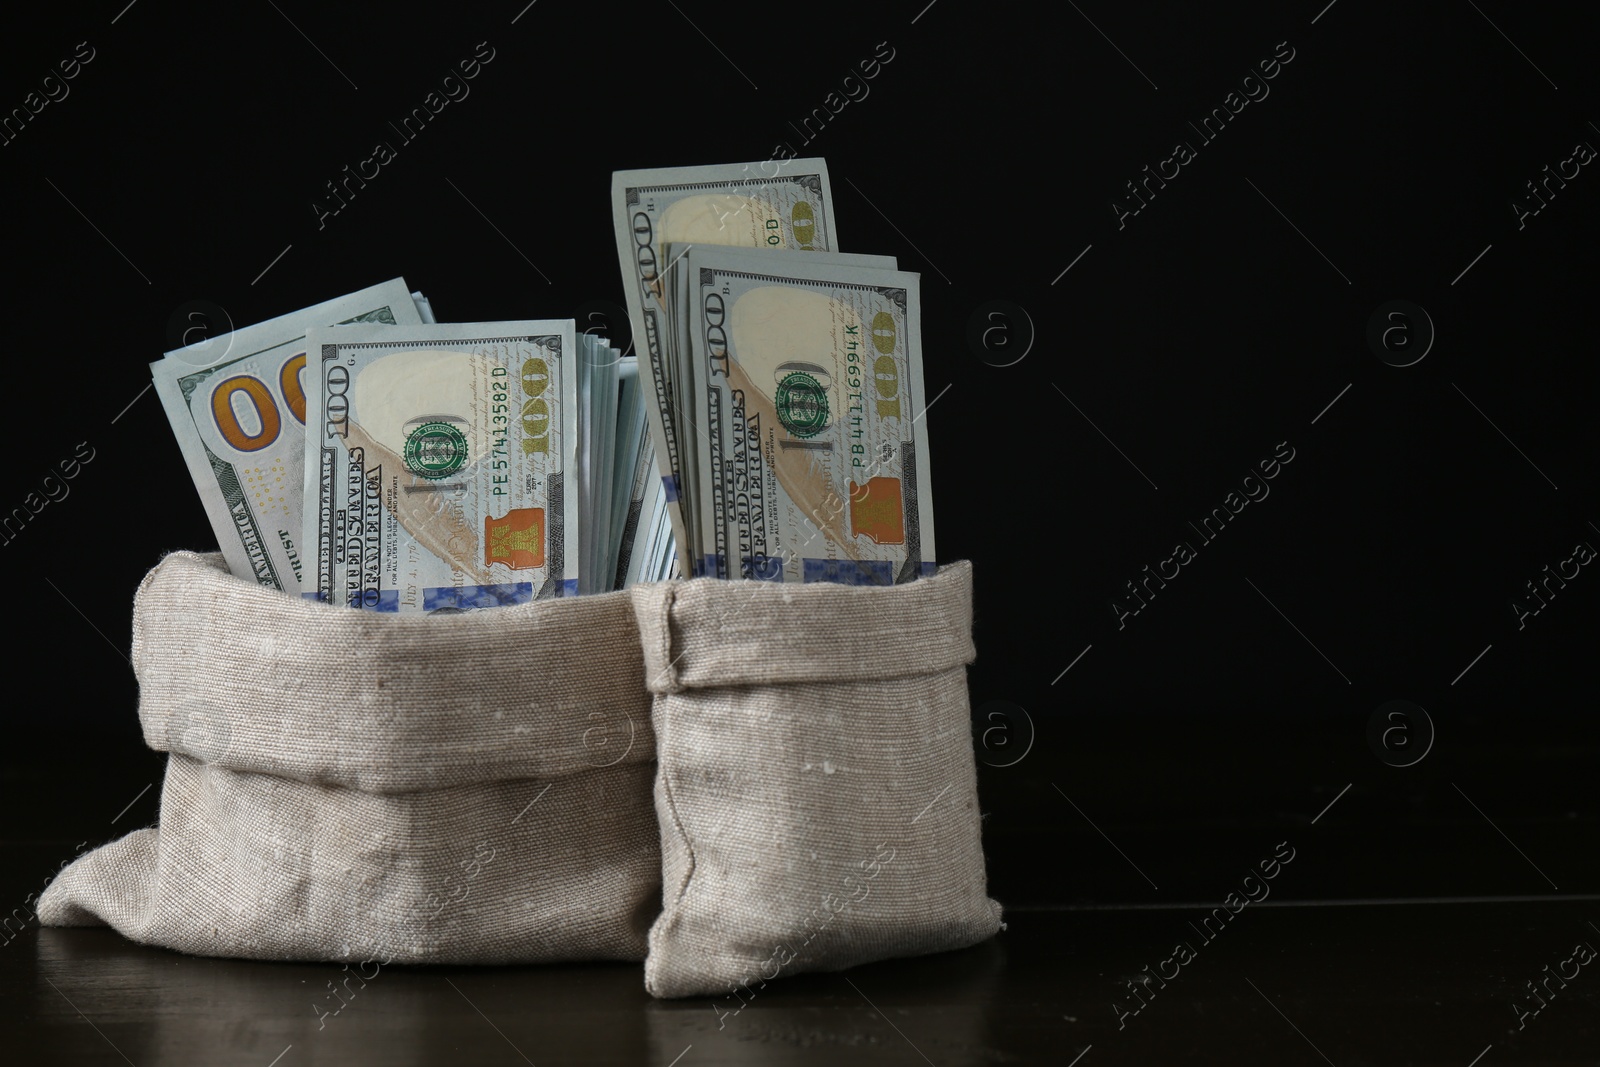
pixel 816 787
pixel 351 786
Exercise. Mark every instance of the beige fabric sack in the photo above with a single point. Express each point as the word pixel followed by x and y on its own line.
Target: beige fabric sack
pixel 350 786
pixel 816 788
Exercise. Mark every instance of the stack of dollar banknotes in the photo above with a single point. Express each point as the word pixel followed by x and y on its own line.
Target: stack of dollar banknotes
pixel 360 453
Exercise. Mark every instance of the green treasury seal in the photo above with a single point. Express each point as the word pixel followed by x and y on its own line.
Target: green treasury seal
pixel 435 450
pixel 802 405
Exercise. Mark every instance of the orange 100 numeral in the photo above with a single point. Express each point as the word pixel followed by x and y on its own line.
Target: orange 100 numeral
pixel 266 407
pixel 293 391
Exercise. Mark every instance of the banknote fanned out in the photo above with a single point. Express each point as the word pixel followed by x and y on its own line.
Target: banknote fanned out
pixel 774 204
pixel 813 457
pixel 599 385
pixel 440 464
pixel 237 404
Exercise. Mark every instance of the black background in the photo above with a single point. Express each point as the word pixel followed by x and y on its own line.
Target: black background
pixel 1222 319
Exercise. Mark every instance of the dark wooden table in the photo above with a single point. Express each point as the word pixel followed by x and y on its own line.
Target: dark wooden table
pixel 1421 983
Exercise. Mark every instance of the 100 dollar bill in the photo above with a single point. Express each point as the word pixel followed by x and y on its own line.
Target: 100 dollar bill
pixel 785 204
pixel 237 404
pixel 814 464
pixel 440 465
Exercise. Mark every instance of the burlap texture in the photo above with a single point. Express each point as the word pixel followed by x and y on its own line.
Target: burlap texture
pixel 816 789
pixel 351 786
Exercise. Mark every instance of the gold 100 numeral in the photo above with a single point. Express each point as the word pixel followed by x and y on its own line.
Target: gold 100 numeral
pixel 535 409
pixel 885 374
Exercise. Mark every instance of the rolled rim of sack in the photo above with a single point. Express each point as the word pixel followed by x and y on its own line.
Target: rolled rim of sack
pixel 246 678
pixel 715 632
